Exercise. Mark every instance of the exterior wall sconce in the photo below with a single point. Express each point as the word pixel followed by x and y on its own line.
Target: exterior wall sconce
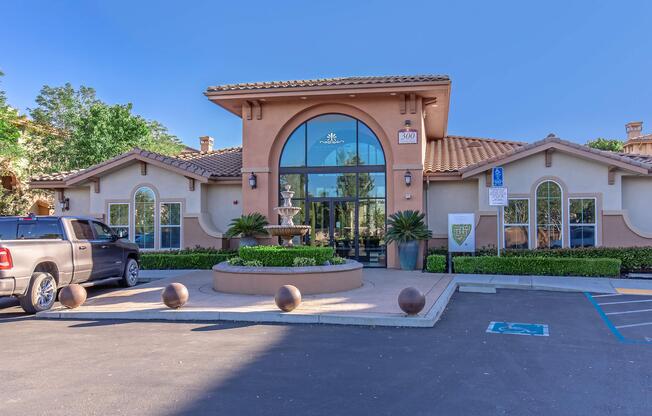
pixel 65 204
pixel 408 178
pixel 253 180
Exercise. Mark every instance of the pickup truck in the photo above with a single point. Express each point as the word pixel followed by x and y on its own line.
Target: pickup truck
pixel 41 254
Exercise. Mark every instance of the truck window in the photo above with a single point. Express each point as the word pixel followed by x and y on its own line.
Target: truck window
pixel 82 229
pixel 102 232
pixel 43 228
pixel 8 229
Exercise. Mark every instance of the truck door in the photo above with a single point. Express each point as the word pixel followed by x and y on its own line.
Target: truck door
pixel 82 250
pixel 107 253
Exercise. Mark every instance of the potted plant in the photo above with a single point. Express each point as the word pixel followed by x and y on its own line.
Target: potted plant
pixel 406 228
pixel 247 227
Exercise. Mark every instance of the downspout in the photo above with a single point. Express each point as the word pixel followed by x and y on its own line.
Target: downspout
pixel 425 198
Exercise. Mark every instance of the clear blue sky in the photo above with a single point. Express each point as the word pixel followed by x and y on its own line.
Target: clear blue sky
pixel 520 70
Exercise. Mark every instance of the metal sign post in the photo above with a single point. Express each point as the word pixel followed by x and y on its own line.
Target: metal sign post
pixel 498 198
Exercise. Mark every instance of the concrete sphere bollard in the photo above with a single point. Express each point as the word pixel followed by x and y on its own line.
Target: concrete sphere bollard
pixel 72 296
pixel 287 298
pixel 411 300
pixel 175 295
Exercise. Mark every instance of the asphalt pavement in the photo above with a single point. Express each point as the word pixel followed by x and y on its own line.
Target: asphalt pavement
pixel 456 368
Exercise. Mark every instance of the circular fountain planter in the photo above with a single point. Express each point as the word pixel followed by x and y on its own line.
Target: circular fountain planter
pixel 266 280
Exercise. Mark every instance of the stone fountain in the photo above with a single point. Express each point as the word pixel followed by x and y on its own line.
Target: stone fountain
pixel 287 230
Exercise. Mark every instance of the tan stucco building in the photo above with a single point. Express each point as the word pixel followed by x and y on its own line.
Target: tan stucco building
pixel 355 150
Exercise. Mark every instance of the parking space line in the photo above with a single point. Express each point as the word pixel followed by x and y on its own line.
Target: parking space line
pixel 623 312
pixel 604 296
pixel 614 330
pixel 633 325
pixel 625 301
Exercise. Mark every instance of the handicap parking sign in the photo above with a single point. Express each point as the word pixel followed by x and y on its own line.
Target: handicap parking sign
pixel 515 328
pixel 497 177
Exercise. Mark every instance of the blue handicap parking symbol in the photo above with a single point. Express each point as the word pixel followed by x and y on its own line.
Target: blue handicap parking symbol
pixel 514 328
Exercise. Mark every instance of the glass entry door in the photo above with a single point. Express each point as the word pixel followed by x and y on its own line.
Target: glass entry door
pixel 336 223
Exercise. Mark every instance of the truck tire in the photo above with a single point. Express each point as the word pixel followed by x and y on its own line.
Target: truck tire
pixel 130 275
pixel 41 293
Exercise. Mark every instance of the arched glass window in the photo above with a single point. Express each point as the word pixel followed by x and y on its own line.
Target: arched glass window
pixel 549 215
pixel 336 167
pixel 144 212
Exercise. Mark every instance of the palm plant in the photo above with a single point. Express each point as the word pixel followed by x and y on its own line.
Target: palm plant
pixel 406 228
pixel 247 227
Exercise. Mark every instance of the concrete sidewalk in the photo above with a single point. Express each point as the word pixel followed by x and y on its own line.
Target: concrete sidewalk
pixel 375 303
pixel 554 283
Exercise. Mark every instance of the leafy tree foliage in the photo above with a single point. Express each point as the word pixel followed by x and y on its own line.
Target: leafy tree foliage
pixel 611 145
pixel 86 131
pixel 9 133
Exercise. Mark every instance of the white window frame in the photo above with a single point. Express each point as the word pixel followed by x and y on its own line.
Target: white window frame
pixel 128 225
pixel 527 224
pixel 594 224
pixel 536 213
pixel 161 225
pixel 156 219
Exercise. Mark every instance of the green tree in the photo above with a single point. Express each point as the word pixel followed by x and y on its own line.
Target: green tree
pixel 611 145
pixel 9 132
pixel 86 131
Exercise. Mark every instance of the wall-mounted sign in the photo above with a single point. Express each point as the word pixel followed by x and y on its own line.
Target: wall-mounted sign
pixel 461 233
pixel 498 196
pixel 407 136
pixel 497 176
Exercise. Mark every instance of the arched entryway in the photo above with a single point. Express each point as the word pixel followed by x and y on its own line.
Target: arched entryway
pixel 336 166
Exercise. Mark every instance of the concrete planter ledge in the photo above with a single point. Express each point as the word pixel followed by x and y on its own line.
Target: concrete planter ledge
pixel 309 280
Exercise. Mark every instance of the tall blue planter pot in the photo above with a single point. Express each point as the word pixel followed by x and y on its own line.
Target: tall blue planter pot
pixel 408 252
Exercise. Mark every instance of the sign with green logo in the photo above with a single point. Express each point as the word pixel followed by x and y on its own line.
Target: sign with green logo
pixel 461 233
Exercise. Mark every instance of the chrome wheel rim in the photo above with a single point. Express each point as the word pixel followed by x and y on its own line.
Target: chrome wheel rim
pixel 132 272
pixel 45 293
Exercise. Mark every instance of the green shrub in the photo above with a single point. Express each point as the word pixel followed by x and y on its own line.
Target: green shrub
pixel 537 266
pixel 303 261
pixel 235 261
pixel 175 260
pixel 436 263
pixel 633 259
pixel 337 260
pixel 276 256
pixel 252 263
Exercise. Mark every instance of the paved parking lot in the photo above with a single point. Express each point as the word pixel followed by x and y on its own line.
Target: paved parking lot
pixel 160 368
pixel 628 316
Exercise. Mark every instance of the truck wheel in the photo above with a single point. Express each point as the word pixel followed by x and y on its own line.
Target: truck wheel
pixel 41 294
pixel 130 275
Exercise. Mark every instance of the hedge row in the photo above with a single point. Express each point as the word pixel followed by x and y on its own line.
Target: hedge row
pixel 276 256
pixel 633 259
pixel 436 263
pixel 175 260
pixel 551 266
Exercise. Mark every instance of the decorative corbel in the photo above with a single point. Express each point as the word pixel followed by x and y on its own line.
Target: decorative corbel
pixel 611 176
pixel 258 110
pixel 191 184
pixel 61 195
pixel 143 168
pixel 548 154
pixel 402 104
pixel 96 185
pixel 413 103
pixel 488 179
pixel 247 109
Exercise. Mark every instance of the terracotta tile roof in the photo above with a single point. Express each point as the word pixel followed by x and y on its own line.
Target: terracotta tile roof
pixel 215 164
pixel 647 159
pixel 453 153
pixel 53 177
pixel 330 82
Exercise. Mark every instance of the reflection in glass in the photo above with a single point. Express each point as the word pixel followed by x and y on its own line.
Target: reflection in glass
pixel 329 185
pixel 371 217
pixel 298 183
pixel 320 217
pixel 582 211
pixel 516 223
pixel 548 215
pixel 144 218
pixel 331 140
pixel 344 228
pixel 171 225
pixel 294 152
pixel 369 150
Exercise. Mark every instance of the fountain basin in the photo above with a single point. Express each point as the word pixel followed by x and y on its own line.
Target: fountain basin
pixel 287 232
pixel 266 280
